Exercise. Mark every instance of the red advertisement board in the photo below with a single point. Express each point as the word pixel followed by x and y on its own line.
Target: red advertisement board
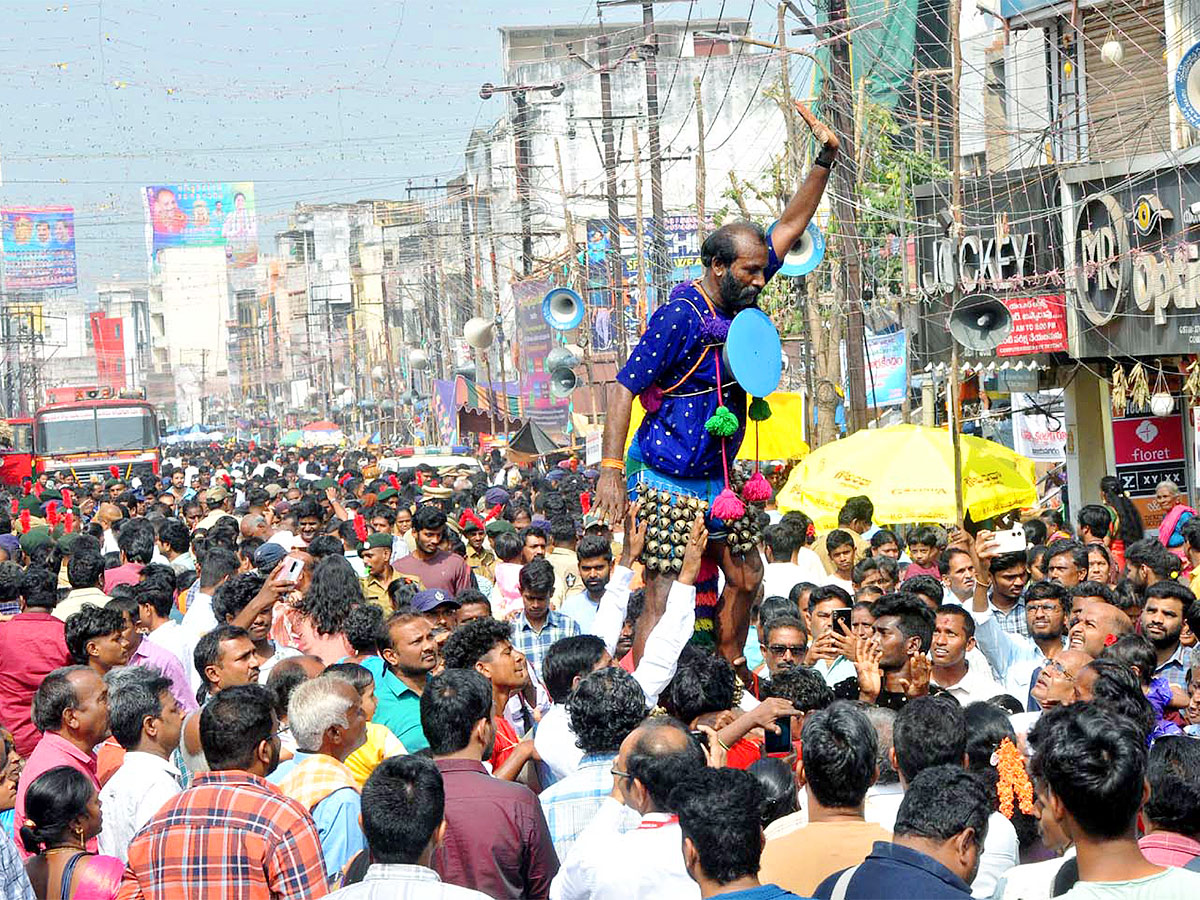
pixel 1039 325
pixel 1146 451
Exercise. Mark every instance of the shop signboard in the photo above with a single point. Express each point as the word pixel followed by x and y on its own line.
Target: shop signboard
pixel 1038 425
pixel 1010 248
pixel 1133 264
pixel 1146 451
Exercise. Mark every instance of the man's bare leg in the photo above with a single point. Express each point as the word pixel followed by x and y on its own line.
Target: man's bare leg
pixel 743 578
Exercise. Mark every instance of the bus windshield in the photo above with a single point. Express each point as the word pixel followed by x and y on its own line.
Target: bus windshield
pixel 90 430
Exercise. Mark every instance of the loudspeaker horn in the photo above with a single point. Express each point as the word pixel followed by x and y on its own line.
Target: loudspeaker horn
pixel 560 358
pixel 418 359
pixel 479 332
pixel 562 309
pixel 980 323
pixel 562 382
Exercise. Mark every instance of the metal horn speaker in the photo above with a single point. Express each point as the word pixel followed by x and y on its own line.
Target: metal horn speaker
pixel 562 382
pixel 980 323
pixel 562 309
pixel 479 332
pixel 560 358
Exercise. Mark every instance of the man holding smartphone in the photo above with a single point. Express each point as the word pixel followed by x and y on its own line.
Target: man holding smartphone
pixel 831 652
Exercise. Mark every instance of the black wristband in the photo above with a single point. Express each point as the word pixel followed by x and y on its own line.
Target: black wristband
pixel 826 158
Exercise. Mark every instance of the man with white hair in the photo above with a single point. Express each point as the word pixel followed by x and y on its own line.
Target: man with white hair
pixel 328 722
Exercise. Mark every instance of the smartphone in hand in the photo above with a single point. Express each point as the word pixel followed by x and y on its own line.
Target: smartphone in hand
pixel 292 568
pixel 779 744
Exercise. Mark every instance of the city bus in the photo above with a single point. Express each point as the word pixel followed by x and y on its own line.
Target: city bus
pixel 94 431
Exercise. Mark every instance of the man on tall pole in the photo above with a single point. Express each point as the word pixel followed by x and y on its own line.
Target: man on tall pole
pixel 696 413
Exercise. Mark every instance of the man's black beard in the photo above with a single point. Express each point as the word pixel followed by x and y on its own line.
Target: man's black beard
pixel 1051 634
pixel 1166 642
pixel 736 296
pixel 596 586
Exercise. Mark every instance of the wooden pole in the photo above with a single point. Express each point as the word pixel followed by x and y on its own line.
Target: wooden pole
pixel 610 188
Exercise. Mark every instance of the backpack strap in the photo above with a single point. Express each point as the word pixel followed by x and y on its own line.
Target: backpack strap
pixel 843 884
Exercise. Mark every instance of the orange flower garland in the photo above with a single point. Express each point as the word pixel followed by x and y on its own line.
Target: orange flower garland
pixel 1014 781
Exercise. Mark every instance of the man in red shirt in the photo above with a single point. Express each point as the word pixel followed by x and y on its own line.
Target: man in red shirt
pixel 71 708
pixel 136 541
pixel 260 844
pixel 485 645
pixel 31 647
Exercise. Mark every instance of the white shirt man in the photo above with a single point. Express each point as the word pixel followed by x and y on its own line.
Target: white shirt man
pixel 976 685
pixel 608 864
pixel 1013 657
pixel 780 577
pixel 132 796
pixel 554 741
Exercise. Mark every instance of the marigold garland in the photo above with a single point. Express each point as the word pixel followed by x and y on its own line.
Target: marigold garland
pixel 1014 781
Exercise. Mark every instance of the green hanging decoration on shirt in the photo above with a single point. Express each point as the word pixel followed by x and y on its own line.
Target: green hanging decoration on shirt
pixel 722 423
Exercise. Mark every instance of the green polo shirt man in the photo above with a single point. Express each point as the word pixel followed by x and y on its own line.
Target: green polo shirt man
pixel 409 657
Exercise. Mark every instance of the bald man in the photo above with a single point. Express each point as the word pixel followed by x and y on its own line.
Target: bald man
pixel 1055 684
pixel 106 514
pixel 254 525
pixel 1099 625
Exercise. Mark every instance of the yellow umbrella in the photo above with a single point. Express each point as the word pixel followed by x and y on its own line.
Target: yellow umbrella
pixel 908 472
pixel 779 437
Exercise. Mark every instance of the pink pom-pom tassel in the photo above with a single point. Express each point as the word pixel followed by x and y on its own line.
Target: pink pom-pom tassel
pixel 651 398
pixel 757 488
pixel 727 506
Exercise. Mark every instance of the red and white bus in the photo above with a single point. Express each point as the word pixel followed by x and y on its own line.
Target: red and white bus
pixel 94 431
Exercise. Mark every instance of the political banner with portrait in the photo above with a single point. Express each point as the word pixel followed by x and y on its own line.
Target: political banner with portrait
pixel 210 214
pixel 39 247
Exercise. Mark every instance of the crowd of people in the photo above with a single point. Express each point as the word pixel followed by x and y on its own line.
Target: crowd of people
pixel 271 673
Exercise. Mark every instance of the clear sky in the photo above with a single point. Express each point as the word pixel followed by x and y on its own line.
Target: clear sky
pixel 312 101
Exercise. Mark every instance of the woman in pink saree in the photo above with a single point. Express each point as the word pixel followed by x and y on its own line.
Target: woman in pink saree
pixel 62 812
pixel 1170 532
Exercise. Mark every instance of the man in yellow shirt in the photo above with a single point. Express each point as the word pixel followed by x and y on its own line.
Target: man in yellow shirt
pixel 481 560
pixel 376 553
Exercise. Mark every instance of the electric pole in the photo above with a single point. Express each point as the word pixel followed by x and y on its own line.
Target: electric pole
pixel 660 265
pixel 615 274
pixel 521 127
pixel 845 177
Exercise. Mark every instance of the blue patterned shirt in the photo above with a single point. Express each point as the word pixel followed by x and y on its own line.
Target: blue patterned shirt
pixel 673 440
pixel 1175 669
pixel 572 803
pixel 534 644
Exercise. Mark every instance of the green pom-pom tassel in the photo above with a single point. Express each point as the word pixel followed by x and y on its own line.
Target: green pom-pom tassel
pixel 760 409
pixel 722 423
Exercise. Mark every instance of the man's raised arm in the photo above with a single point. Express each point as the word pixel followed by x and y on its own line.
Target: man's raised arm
pixel 803 205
